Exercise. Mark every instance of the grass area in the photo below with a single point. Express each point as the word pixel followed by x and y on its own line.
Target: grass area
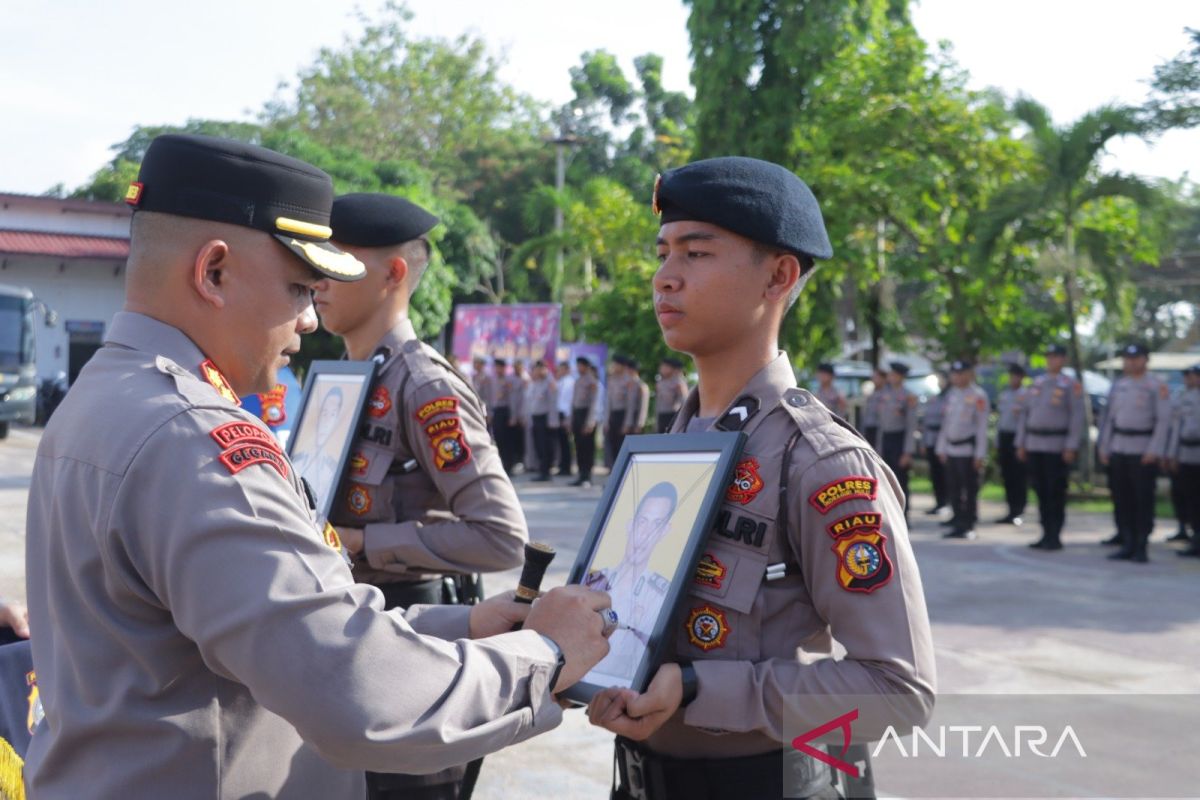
pixel 1096 501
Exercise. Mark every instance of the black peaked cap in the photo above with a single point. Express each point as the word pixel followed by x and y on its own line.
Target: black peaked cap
pixel 762 201
pixel 378 220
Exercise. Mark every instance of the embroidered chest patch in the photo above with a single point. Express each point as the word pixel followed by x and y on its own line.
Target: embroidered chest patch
pixel 747 483
pixel 380 403
pixel 707 627
pixel 710 572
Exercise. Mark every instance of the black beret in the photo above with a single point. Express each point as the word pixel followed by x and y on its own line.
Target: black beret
pixel 1016 369
pixel 762 201
pixel 1134 350
pixel 1056 350
pixel 241 184
pixel 960 366
pixel 631 363
pixel 620 359
pixel 825 367
pixel 899 367
pixel 378 220
pixel 673 362
pixel 583 360
pixel 499 362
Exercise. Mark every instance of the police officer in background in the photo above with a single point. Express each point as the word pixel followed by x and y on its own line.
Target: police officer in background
pixel 637 402
pixel 584 410
pixel 541 400
pixel 870 417
pixel 1183 453
pixel 565 382
pixel 962 447
pixel 827 393
pixel 1048 437
pixel 519 428
pixel 827 555
pixel 484 385
pixel 195 629
pixel 427 503
pixel 1133 439
pixel 931 425
pixel 501 411
pixel 1179 500
pixel 616 400
pixel 897 425
pixel 1010 407
pixel 669 392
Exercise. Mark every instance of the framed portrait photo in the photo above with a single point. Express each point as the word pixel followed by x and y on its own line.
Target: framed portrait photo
pixel 645 541
pixel 331 407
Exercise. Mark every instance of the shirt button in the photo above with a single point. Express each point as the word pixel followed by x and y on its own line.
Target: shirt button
pixel 797 400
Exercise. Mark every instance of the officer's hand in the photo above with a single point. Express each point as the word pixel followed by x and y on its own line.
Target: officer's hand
pixel 1148 459
pixel 589 429
pixel 15 616
pixel 353 539
pixel 636 716
pixel 567 614
pixel 1022 455
pixel 496 615
pixel 942 457
pixel 905 460
pixel 1069 457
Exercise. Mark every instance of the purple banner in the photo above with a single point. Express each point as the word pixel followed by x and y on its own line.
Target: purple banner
pixel 524 331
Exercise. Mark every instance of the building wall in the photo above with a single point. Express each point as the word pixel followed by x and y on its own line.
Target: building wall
pixel 50 215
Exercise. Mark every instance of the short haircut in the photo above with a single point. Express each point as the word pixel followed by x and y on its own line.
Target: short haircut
pixel 663 490
pixel 416 253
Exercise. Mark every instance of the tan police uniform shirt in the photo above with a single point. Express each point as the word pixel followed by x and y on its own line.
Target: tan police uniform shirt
pixel 1010 406
pixel 1184 444
pixel 637 404
pixel 516 394
pixel 616 395
pixel 898 414
pixel 194 634
pixel 669 394
pixel 1053 417
pixel 964 426
pixel 832 399
pixel 764 648
pixel 931 420
pixel 1136 420
pixel 424 478
pixel 484 387
pixel 585 395
pixel 542 397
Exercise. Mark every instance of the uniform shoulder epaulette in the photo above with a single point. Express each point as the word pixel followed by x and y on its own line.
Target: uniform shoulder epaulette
pixel 824 431
pixel 190 387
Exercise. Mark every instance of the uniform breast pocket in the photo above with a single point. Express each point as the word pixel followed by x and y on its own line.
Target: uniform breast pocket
pixel 369 464
pixel 720 618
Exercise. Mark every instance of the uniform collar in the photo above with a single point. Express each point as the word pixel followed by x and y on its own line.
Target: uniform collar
pixel 140 332
pixel 393 341
pixel 767 387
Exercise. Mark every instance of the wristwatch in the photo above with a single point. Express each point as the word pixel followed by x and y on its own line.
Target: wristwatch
pixel 562 660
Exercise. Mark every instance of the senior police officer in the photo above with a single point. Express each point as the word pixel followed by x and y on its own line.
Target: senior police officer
pixel 1010 407
pixel 962 447
pixel 931 425
pixel 897 425
pixel 813 545
pixel 669 391
pixel 426 502
pixel 195 632
pixel 1132 440
pixel 1183 453
pixel 1048 437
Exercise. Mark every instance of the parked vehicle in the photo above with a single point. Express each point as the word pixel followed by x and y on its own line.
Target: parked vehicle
pixel 18 368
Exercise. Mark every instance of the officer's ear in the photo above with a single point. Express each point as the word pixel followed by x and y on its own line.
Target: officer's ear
pixel 397 271
pixel 208 272
pixel 785 272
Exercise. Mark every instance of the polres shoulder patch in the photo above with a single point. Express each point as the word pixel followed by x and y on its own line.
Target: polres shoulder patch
pixel 850 487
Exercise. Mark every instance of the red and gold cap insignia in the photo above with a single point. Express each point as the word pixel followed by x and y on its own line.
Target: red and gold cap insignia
pixel 654 206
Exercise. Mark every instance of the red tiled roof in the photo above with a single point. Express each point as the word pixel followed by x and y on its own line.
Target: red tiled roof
pixel 62 245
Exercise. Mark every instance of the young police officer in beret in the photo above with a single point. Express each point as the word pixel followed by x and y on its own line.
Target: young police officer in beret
pixel 811 543
pixel 195 632
pixel 427 502
pixel 1183 453
pixel 962 447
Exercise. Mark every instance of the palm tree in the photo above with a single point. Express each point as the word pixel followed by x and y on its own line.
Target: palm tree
pixel 1047 205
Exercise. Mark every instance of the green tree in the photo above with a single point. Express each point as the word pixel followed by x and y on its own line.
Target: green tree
pixel 1175 99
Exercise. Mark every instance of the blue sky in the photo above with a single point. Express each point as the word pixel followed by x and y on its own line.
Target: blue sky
pixel 76 75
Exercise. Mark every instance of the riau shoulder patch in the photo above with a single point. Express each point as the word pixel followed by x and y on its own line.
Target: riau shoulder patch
pixel 851 487
pixel 218 381
pixel 438 405
pixel 855 523
pixel 747 483
pixel 450 449
pixel 380 402
pixel 863 564
pixel 707 627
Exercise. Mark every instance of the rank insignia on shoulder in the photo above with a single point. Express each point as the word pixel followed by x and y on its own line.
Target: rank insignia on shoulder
pixel 707 627
pixel 450 450
pixel 742 411
pixel 380 403
pixel 218 382
pixel 330 535
pixel 36 711
pixel 851 487
pixel 358 500
pixel 438 405
pixel 855 523
pixel 710 571
pixel 747 483
pixel 863 563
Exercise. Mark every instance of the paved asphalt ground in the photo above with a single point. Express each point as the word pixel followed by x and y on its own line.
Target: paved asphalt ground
pixel 1006 619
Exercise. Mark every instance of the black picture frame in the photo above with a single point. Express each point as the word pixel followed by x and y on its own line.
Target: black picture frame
pixel 318 447
pixel 698 467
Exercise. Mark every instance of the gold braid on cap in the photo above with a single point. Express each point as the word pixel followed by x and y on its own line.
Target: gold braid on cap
pixel 654 206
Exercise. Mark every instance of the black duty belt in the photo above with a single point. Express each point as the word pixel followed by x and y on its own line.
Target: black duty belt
pixel 1190 442
pixel 957 442
pixel 1047 431
pixel 1130 432
pixel 645 775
